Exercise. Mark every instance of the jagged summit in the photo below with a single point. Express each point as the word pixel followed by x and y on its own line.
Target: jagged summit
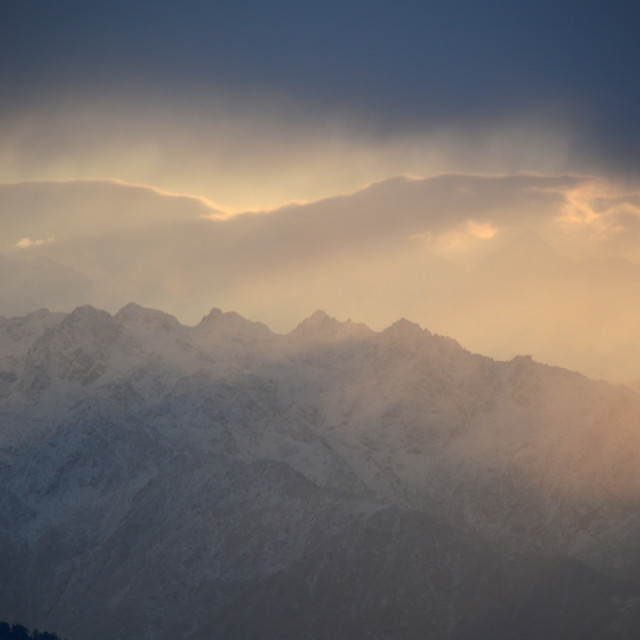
pixel 213 314
pixel 86 311
pixel 319 317
pixel 406 327
pixel 36 315
pixel 88 318
pixel 404 331
pixel 133 313
pixel 319 325
pixel 217 315
pixel 230 324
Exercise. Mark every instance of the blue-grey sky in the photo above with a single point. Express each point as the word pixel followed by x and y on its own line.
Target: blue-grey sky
pixel 423 61
pixel 451 77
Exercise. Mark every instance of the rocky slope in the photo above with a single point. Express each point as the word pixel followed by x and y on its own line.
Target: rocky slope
pixel 222 481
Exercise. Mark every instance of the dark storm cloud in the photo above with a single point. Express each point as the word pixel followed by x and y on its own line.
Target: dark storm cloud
pixel 402 64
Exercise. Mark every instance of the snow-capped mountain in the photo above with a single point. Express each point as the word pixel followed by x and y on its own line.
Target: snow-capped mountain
pixel 223 481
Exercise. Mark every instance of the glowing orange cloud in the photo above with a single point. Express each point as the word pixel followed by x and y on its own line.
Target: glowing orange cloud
pixel 26 243
pixel 600 216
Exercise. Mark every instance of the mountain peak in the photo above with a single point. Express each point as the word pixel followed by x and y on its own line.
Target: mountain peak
pixel 218 317
pixel 215 312
pixel 320 325
pixel 231 324
pixel 133 313
pixel 404 327
pixel 86 314
pixel 318 319
pixel 86 323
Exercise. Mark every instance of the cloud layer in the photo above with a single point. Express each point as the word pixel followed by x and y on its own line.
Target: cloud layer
pixel 298 102
pixel 507 265
pixel 248 149
pixel 221 108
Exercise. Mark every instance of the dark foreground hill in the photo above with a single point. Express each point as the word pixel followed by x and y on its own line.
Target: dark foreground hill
pixel 221 481
pixel 17 631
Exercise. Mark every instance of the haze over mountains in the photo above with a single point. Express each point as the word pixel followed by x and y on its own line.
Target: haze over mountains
pixel 512 264
pixel 225 481
pixel 470 167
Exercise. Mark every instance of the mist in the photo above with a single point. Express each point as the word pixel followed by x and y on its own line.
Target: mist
pixel 543 265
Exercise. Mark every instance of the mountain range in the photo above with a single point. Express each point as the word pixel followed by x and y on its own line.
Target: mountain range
pixel 221 481
pixel 546 265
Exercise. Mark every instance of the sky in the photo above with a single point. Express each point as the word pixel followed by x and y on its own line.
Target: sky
pixel 238 154
pixel 252 104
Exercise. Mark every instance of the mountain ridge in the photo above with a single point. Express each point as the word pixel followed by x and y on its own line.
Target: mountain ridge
pixel 438 250
pixel 237 463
